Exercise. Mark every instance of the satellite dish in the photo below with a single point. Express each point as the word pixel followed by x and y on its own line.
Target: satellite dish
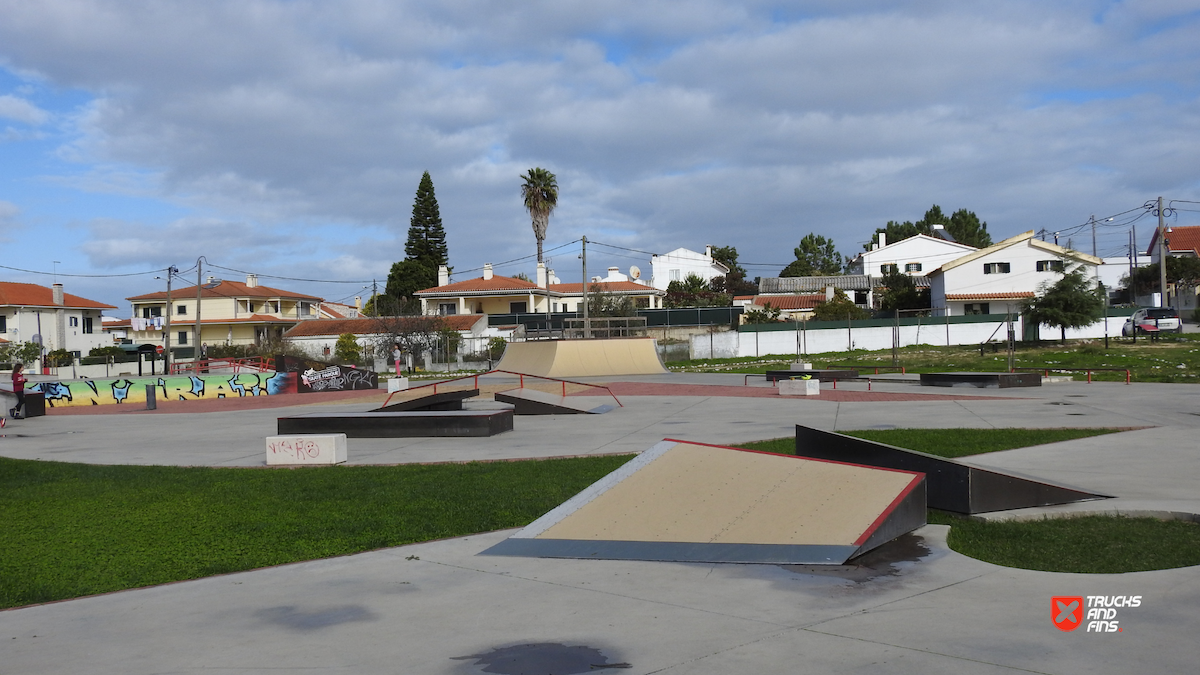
pixel 635 273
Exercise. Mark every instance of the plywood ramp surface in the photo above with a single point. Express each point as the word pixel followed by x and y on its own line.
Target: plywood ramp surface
pixel 583 358
pixel 695 493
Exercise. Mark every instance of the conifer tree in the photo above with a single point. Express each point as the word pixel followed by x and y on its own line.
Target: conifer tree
pixel 424 251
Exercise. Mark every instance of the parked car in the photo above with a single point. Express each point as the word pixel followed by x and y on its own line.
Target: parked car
pixel 1153 320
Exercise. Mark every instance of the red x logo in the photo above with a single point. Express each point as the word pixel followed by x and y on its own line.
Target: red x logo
pixel 1067 612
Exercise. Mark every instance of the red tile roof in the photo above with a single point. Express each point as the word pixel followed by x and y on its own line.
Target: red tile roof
pixel 790 302
pixel 989 296
pixel 1179 239
pixel 227 289
pixel 13 293
pixel 496 283
pixel 371 325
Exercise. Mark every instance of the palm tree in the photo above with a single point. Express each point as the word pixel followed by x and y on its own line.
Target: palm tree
pixel 541 196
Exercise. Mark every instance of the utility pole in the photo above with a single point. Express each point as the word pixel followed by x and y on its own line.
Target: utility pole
pixel 167 325
pixel 196 331
pixel 587 328
pixel 1093 221
pixel 1162 257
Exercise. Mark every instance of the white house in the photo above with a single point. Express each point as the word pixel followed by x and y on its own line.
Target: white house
pixel 29 312
pixel 678 264
pixel 915 256
pixel 996 279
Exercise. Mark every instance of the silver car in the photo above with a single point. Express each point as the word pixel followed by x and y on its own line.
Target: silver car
pixel 1153 320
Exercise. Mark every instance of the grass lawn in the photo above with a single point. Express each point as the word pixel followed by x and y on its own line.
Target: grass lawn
pixel 68 530
pixel 1174 358
pixel 946 442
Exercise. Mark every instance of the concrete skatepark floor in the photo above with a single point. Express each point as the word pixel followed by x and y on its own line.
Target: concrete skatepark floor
pixel 438 607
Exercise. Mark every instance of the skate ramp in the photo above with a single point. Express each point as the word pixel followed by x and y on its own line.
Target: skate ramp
pixel 583 358
pixel 533 402
pixel 690 502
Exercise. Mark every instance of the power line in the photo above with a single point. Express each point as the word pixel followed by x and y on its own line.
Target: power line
pixel 86 276
pixel 275 276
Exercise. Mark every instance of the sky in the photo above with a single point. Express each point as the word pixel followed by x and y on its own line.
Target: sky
pixel 287 137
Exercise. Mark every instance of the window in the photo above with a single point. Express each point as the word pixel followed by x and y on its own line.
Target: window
pixel 87 325
pixel 860 297
pixel 674 275
pixel 151 312
pixel 74 322
pixel 305 308
pixel 447 308
pixel 3 323
pixel 517 307
pixel 181 309
pixel 183 337
pixel 997 268
pixel 1049 265
pixel 977 308
pixel 890 268
pixel 912 267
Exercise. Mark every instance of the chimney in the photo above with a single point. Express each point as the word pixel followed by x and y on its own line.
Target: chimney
pixel 613 271
pixel 541 275
pixel 358 302
pixel 487 271
pixel 552 278
pixel 708 251
pixel 828 293
pixel 444 275
pixel 210 280
pixel 252 281
pixel 58 295
pixel 882 239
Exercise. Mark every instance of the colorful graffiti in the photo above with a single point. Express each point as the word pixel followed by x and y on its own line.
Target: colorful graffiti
pixel 320 376
pixel 181 388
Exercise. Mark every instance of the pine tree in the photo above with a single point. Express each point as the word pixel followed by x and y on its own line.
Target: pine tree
pixel 424 251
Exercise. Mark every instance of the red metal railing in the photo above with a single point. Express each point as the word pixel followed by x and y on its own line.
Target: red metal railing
pixel 255 364
pixel 1047 370
pixel 476 377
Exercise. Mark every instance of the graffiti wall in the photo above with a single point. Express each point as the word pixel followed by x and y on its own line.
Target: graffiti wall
pixel 173 388
pixel 318 376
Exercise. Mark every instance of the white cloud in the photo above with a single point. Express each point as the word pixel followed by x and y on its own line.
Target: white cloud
pixel 21 110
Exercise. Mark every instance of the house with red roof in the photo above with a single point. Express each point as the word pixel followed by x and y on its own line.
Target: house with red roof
pixel 1180 242
pixel 495 294
pixel 47 314
pixel 319 337
pixel 230 313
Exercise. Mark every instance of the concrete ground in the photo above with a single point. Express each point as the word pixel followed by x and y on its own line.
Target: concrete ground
pixel 438 607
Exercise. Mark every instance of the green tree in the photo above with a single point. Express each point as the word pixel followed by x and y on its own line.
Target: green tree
pixel 839 308
pixel 1182 272
pixel 1074 301
pixel 901 292
pixel 816 256
pixel 963 225
pixel 540 192
pixel 602 302
pixel 768 314
pixel 694 291
pixel 424 252
pixel 733 283
pixel 347 349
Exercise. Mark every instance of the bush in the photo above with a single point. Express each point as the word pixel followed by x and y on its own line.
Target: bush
pixel 347 349
pixel 59 357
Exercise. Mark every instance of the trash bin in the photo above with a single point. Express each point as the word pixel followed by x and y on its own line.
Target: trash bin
pixel 35 404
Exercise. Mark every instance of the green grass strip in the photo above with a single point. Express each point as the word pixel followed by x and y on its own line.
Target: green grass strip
pixel 1087 545
pixel 69 530
pixel 946 442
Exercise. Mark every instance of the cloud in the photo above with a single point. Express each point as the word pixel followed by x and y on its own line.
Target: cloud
pixel 21 110
pixel 308 124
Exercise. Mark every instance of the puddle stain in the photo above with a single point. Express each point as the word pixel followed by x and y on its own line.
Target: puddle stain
pixel 297 619
pixel 542 658
pixel 885 561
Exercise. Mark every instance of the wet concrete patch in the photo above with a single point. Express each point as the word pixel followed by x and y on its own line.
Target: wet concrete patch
pixel 542 658
pixel 887 560
pixel 298 619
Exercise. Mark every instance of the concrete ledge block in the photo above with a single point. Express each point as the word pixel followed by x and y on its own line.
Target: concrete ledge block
pixel 801 365
pixel 799 387
pixel 306 449
pixel 397 384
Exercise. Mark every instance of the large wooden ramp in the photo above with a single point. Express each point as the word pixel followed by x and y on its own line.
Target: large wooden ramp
pixel 583 358
pixel 683 501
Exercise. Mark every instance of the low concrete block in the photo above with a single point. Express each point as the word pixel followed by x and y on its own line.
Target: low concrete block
pixel 799 387
pixel 306 449
pixel 801 365
pixel 397 384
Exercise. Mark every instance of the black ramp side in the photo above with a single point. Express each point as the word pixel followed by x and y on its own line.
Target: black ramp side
pixel 950 485
pixel 821 375
pixel 534 402
pixel 412 424
pixel 981 380
pixel 442 400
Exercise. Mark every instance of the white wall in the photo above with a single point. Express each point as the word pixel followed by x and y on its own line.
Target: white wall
pixel 22 325
pixel 685 262
pixel 1023 277
pixel 930 252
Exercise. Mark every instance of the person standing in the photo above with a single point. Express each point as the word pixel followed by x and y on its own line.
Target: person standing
pixel 396 356
pixel 18 381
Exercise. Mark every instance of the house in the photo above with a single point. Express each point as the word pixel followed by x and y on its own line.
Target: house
pixel 495 294
pixel 62 320
pixel 231 312
pixel 997 279
pixel 915 256
pixel 792 306
pixel 860 288
pixel 1181 242
pixel 319 337
pixel 678 264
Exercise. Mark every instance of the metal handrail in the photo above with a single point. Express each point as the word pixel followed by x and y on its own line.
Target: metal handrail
pixel 1046 371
